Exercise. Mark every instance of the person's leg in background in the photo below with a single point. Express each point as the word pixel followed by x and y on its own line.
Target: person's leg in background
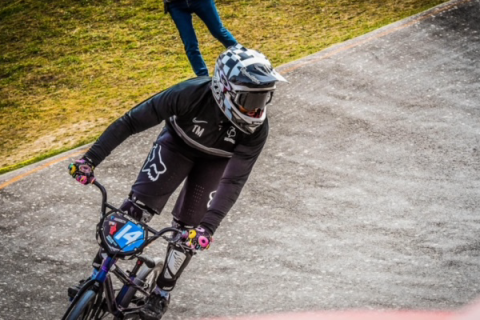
pixel 182 17
pixel 207 11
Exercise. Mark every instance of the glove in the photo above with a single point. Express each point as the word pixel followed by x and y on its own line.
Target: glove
pixel 82 171
pixel 198 238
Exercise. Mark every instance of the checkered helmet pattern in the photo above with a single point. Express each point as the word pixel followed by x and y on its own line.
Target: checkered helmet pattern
pixel 241 69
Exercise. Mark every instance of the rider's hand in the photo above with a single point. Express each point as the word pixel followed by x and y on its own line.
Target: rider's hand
pixel 82 171
pixel 198 238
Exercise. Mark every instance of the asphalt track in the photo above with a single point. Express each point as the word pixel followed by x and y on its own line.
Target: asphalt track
pixel 366 196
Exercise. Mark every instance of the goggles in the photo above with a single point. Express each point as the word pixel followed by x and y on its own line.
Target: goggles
pixel 252 101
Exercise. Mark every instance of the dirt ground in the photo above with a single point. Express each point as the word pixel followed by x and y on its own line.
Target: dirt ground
pixel 366 196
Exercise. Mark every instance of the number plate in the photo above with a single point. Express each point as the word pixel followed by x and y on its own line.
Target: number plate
pixel 122 234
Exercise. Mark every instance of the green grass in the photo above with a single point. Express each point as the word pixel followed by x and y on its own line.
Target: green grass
pixel 70 67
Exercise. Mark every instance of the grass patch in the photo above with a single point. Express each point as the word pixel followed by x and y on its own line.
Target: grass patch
pixel 70 67
pixel 41 157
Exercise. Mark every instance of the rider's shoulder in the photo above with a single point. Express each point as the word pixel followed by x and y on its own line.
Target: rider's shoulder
pixel 196 83
pixel 184 92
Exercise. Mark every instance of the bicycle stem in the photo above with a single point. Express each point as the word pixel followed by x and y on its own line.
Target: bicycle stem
pixel 104 269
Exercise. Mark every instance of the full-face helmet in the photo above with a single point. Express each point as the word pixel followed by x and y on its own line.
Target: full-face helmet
pixel 243 85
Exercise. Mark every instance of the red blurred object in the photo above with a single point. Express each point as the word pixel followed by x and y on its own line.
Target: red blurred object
pixel 356 315
pixel 471 312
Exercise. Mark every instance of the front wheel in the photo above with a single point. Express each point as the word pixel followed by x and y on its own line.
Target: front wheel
pixel 84 307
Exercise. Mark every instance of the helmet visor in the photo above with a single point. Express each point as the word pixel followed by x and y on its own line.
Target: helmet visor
pixel 253 100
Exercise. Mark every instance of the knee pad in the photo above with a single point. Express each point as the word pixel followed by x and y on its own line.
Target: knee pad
pixel 137 210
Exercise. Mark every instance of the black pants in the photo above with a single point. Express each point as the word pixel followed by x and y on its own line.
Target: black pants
pixel 166 167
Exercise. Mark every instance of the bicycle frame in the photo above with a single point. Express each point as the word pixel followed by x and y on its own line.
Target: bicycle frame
pixel 102 280
pixel 113 303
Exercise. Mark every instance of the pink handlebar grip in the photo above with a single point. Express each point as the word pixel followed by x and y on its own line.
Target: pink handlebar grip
pixel 82 179
pixel 203 241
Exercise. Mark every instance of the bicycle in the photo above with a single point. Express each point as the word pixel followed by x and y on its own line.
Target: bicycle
pixel 121 237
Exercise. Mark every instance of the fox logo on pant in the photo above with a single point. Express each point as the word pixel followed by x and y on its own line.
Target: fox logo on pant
pixel 153 167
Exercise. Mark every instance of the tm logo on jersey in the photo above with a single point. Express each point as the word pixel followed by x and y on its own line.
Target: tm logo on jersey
pixel 154 165
pixel 198 130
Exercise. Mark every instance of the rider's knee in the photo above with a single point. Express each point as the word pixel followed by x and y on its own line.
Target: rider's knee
pixel 137 209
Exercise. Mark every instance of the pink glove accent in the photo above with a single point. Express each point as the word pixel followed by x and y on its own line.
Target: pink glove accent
pixel 198 239
pixel 203 241
pixel 82 171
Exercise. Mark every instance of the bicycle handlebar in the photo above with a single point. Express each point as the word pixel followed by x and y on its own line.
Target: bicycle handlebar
pixel 157 234
pixel 104 195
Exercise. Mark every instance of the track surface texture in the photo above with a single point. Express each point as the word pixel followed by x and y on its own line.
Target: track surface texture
pixel 366 196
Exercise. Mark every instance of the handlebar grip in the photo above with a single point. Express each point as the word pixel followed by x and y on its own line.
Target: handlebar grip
pixel 85 179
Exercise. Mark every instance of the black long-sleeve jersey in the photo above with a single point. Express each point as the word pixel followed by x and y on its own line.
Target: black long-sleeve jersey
pixel 192 114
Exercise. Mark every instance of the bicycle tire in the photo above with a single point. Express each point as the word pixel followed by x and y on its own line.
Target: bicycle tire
pixel 146 275
pixel 83 306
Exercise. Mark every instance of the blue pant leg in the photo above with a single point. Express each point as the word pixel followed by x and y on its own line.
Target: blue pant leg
pixel 182 16
pixel 207 11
